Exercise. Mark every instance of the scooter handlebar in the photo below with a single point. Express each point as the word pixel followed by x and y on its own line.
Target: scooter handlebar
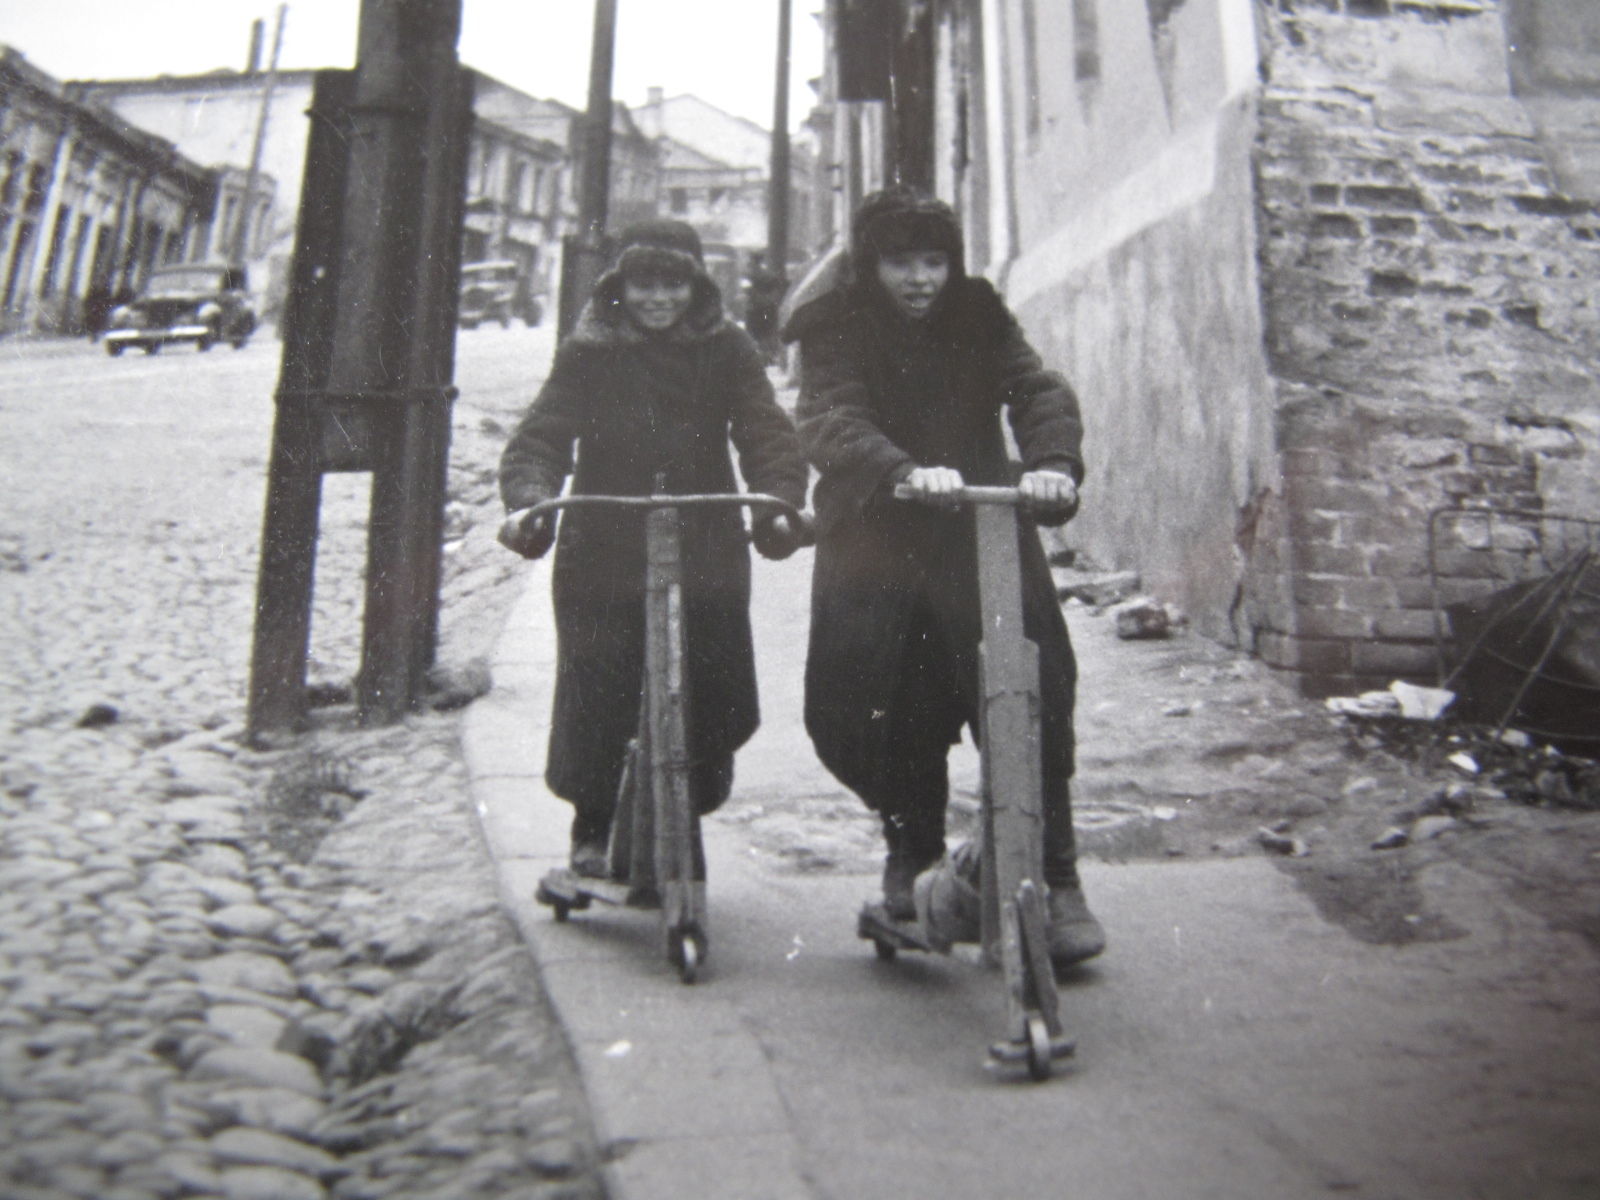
pixel 966 494
pixel 511 529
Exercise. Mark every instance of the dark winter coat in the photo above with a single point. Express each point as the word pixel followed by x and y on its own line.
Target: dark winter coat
pixel 895 620
pixel 620 409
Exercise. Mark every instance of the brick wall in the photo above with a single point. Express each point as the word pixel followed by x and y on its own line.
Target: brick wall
pixel 1429 292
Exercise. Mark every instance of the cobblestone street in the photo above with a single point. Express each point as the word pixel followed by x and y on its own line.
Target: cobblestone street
pixel 228 972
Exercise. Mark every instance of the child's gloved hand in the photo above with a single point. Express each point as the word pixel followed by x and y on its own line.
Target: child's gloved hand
pixel 527 535
pixel 778 535
pixel 1050 497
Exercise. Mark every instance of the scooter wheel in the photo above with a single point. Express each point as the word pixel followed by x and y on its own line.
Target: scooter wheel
pixel 884 950
pixel 561 910
pixel 688 956
pixel 1039 1060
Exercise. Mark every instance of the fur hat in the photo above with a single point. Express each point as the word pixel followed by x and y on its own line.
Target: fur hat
pixel 669 248
pixel 899 219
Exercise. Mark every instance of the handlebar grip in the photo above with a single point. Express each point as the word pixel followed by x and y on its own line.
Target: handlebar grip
pixel 967 494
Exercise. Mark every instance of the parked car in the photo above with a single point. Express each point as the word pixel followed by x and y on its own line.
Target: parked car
pixel 193 302
pixel 497 290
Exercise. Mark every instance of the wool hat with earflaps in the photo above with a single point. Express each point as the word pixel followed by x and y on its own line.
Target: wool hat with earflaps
pixel 900 219
pixel 654 249
pixel 668 248
pixel 895 220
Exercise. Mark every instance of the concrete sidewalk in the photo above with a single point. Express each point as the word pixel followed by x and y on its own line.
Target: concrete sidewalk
pixel 1231 1043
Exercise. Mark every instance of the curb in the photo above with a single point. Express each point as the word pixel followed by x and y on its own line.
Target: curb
pixel 684 1102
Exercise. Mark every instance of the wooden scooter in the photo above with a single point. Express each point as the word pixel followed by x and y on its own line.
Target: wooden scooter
pixel 655 834
pixel 1014 934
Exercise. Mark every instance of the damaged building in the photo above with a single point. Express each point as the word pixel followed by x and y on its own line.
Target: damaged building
pixel 1318 269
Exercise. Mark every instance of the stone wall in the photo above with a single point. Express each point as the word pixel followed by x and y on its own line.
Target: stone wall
pixel 1429 286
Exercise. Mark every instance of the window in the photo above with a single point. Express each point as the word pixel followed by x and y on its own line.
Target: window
pixel 680 200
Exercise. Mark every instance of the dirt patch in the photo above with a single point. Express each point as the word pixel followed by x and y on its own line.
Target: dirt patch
pixel 1189 749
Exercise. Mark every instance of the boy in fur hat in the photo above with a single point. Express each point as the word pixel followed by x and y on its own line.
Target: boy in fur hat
pixel 905 366
pixel 651 384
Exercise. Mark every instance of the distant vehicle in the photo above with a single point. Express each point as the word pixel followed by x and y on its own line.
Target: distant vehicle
pixel 497 290
pixel 200 303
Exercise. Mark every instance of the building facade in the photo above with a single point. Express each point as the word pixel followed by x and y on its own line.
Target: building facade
pixel 635 167
pixel 88 203
pixel 517 186
pixel 716 174
pixel 1319 269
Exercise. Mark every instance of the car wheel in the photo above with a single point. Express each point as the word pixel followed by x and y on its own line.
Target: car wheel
pixel 205 342
pixel 152 348
pixel 114 349
pixel 469 324
pixel 238 343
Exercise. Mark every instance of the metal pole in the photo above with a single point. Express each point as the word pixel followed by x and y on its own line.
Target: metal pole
pixel 241 225
pixel 778 195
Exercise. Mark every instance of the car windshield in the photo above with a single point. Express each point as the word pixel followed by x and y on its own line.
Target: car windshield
pixel 192 281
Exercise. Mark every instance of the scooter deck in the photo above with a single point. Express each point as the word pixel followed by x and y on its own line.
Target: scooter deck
pixel 566 891
pixel 887 935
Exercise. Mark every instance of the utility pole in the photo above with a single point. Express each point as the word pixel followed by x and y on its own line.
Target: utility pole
pixel 778 195
pixel 368 356
pixel 239 249
pixel 584 256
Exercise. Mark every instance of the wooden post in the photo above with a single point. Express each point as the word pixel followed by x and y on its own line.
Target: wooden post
pixel 369 354
pixel 239 245
pixel 778 194
pixel 584 256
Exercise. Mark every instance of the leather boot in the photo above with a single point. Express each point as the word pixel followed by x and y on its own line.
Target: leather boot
pixel 591 837
pixel 910 853
pixel 1074 934
pixel 949 904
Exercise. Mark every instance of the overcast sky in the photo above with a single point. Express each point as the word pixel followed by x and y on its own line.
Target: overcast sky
pixel 721 50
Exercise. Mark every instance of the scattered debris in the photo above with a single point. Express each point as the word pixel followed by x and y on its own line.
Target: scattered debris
pixel 1281 843
pixel 1097 590
pixel 1529 656
pixel 1402 699
pixel 1142 617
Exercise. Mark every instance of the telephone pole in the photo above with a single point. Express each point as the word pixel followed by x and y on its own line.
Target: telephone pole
pixel 584 256
pixel 238 251
pixel 778 194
